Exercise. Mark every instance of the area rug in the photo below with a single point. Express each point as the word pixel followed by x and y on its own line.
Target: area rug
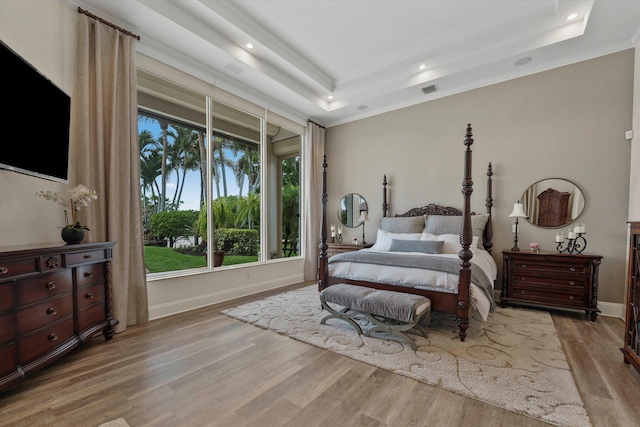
pixel 514 360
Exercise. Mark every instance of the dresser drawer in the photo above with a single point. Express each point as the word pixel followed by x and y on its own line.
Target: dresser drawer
pixel 90 274
pixel 10 268
pixel 7 328
pixel 8 359
pixel 45 313
pixel 521 266
pixel 91 315
pixel 43 287
pixel 575 299
pixel 554 282
pixel 33 345
pixel 90 295
pixel 77 258
pixel 6 297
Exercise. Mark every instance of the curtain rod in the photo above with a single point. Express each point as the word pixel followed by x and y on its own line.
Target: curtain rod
pixel 317 124
pixel 122 30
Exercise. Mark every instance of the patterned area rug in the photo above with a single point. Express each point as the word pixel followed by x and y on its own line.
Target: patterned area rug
pixel 514 360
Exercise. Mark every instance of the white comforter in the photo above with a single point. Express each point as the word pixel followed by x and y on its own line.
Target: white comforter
pixel 420 278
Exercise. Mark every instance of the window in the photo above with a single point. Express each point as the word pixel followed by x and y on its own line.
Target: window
pixel 216 176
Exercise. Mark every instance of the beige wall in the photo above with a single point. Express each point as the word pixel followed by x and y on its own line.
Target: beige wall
pixel 568 122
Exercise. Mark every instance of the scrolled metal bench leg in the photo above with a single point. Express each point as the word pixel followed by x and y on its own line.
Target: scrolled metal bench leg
pixel 342 315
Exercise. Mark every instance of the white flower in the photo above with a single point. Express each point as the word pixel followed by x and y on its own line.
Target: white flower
pixel 78 196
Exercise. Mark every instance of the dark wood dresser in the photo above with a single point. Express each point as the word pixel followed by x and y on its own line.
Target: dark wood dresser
pixel 52 298
pixel 551 279
pixel 338 248
pixel 631 348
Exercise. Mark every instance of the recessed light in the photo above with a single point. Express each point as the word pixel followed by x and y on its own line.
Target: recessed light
pixel 572 17
pixel 422 66
pixel 249 45
pixel 523 61
pixel 330 96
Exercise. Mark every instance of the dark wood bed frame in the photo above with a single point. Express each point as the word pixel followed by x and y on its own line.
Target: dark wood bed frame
pixel 458 304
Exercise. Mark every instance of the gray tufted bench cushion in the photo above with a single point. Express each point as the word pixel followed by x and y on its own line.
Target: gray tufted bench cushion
pixel 389 311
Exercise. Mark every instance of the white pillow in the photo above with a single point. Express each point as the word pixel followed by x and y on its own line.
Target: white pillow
pixel 384 239
pixel 452 243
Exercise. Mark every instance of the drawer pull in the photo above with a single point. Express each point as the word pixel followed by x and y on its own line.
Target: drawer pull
pixel 51 285
pixel 524 265
pixel 53 337
pixel 51 311
pixel 572 283
pixel 571 297
pixel 89 295
pixel 88 274
pixel 4 270
pixel 521 292
pixel 87 256
pixel 572 269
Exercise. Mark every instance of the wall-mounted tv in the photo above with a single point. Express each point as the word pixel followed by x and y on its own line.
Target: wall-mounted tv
pixel 35 120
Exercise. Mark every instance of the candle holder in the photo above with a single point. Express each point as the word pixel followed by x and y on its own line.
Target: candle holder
pixel 573 245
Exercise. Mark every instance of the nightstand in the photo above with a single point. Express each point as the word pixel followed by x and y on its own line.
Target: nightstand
pixel 551 279
pixel 338 248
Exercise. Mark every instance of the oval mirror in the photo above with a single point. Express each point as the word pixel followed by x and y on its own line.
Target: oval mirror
pixel 553 203
pixel 350 208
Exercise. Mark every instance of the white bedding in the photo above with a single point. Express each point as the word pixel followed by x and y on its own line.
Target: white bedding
pixel 420 278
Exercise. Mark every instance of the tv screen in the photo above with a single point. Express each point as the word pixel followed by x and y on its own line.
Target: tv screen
pixel 35 121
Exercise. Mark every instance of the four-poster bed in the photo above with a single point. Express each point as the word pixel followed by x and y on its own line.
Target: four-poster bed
pixel 417 254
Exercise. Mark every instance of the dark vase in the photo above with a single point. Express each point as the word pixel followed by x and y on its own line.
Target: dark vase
pixel 72 235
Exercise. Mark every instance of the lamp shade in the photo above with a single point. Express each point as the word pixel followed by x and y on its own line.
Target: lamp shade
pixel 518 211
pixel 364 216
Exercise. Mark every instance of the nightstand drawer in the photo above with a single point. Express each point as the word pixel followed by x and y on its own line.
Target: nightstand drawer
pixel 552 282
pixel 520 266
pixel 543 296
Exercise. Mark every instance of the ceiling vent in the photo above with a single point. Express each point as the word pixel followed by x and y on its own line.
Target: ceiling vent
pixel 429 89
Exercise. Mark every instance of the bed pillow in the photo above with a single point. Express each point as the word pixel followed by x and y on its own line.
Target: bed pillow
pixel 426 246
pixel 445 224
pixel 384 239
pixel 452 243
pixel 409 224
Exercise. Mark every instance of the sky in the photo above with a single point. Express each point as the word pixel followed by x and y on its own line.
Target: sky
pixel 191 191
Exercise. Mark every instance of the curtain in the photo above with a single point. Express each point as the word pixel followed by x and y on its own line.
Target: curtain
pixel 108 159
pixel 314 145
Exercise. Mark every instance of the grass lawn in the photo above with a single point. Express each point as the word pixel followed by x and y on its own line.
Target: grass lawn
pixel 159 259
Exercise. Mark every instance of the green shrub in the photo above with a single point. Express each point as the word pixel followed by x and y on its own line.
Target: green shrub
pixel 236 241
pixel 173 224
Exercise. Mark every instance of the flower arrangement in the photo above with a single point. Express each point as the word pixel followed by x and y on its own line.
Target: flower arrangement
pixel 78 197
pixel 535 247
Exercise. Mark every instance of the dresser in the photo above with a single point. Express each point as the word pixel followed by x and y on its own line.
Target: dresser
pixel 338 248
pixel 631 348
pixel 551 279
pixel 52 298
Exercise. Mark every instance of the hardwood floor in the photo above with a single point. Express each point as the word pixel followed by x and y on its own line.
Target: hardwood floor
pixel 203 368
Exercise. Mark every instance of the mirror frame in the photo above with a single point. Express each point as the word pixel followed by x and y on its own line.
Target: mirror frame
pixel 576 199
pixel 346 215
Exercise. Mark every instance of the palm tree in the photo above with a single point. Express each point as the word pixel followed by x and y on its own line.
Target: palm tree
pixel 184 156
pixel 164 126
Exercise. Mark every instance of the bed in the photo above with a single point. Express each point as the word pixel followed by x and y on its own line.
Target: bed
pixel 442 253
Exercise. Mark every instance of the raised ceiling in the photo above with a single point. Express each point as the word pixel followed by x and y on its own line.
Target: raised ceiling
pixel 366 53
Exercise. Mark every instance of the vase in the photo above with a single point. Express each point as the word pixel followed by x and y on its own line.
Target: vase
pixel 535 250
pixel 72 235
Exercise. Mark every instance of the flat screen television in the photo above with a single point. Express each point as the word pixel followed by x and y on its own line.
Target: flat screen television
pixel 35 120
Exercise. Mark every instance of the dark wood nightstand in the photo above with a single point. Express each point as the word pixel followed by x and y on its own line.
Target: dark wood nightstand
pixel 551 279
pixel 337 248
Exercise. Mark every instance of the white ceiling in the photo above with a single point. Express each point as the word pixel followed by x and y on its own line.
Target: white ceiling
pixel 366 53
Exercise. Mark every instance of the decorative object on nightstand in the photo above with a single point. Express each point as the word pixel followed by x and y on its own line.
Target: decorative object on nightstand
pixel 576 243
pixel 364 217
pixel 535 247
pixel 336 237
pixel 550 279
pixel 518 212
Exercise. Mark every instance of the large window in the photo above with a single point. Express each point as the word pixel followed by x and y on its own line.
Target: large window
pixel 220 184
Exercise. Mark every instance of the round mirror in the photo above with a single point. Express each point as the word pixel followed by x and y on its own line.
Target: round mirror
pixel 553 203
pixel 350 208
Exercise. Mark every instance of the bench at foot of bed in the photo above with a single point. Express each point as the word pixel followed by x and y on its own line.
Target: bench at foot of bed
pixel 389 311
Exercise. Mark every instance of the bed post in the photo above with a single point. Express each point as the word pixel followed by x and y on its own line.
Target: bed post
pixel 323 265
pixel 466 238
pixel 488 230
pixel 384 196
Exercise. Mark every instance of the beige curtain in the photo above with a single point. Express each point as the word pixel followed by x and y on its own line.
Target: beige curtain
pixel 313 207
pixel 108 159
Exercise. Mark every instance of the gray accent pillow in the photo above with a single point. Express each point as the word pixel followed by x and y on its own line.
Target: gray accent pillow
pixel 409 224
pixel 426 246
pixel 445 224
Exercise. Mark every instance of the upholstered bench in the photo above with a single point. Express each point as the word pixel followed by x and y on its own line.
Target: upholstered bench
pixel 389 311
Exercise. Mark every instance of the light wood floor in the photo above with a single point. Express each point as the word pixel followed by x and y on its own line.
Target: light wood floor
pixel 203 368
